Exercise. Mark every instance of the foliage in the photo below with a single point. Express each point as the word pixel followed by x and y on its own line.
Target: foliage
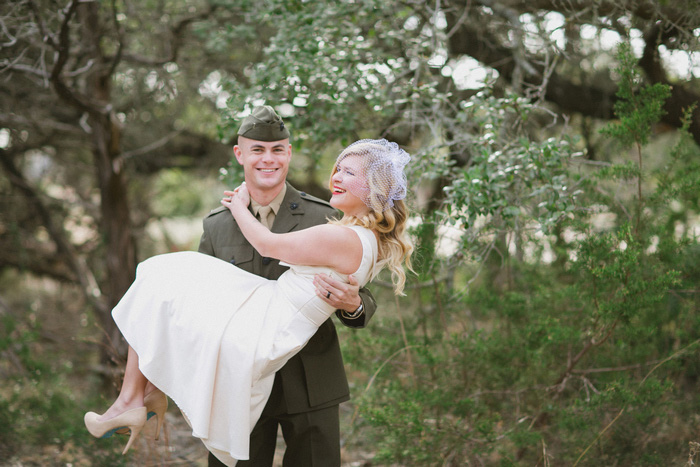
pixel 638 107
pixel 38 407
pixel 323 57
pixel 173 201
pixel 574 362
pixel 510 180
pixel 555 316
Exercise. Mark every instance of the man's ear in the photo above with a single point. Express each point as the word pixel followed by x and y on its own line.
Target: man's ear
pixel 238 153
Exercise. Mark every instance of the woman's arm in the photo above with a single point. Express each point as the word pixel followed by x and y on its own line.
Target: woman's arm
pixel 334 246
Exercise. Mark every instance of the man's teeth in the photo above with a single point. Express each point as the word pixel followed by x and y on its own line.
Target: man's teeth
pixel 267 170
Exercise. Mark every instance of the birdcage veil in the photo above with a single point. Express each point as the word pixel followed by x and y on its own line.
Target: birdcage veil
pixel 383 164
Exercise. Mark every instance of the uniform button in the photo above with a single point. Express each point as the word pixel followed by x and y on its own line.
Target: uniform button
pixel 266 261
pixel 293 206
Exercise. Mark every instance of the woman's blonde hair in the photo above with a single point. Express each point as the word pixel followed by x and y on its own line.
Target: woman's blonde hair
pixel 387 216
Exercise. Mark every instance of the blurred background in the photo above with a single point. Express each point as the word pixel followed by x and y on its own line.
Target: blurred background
pixel 554 315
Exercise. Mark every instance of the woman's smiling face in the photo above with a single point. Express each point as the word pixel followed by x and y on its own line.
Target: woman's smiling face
pixel 349 186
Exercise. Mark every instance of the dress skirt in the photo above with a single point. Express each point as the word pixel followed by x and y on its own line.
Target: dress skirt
pixel 211 336
pixel 216 364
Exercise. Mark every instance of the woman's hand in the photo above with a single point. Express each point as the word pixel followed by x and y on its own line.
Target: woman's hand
pixel 237 197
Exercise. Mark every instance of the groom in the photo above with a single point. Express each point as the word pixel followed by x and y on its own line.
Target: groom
pixel 308 390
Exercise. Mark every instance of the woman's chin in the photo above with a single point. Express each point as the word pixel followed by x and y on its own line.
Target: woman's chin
pixel 336 203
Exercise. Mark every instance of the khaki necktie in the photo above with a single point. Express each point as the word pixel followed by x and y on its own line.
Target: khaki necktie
pixel 264 215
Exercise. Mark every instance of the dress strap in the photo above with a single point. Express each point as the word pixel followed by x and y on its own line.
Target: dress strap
pixel 370 251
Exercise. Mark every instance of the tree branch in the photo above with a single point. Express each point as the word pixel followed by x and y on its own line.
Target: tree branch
pixel 174 45
pixel 81 272
pixel 671 12
pixel 63 49
pixel 14 120
pixel 120 39
pixel 588 100
pixel 681 97
pixel 150 147
pixel 588 346
pixel 45 34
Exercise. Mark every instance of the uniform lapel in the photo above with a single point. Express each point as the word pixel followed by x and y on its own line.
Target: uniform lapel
pixel 289 213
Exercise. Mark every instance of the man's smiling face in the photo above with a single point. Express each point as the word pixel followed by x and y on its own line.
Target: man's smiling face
pixel 265 163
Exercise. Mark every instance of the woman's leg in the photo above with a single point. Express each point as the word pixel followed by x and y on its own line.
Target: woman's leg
pixel 133 388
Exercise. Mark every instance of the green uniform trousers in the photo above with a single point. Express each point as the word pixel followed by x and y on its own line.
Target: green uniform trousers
pixel 312 438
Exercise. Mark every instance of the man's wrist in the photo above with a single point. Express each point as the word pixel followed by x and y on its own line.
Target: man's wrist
pixel 359 311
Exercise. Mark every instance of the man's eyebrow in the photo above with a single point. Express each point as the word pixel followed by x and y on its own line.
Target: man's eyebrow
pixel 260 146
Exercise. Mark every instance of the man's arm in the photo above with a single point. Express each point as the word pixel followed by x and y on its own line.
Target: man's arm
pixel 205 245
pixel 211 224
pixel 355 305
pixel 369 306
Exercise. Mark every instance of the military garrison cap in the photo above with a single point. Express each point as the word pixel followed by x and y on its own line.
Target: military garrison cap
pixel 263 125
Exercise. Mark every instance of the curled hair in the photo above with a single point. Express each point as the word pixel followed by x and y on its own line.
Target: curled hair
pixel 389 222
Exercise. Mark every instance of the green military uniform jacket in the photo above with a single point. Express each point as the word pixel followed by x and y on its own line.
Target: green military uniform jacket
pixel 315 377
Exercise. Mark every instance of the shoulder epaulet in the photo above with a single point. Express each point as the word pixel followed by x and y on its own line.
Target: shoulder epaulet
pixel 216 211
pixel 309 197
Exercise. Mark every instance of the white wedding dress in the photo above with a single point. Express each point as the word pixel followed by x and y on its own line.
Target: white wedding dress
pixel 211 336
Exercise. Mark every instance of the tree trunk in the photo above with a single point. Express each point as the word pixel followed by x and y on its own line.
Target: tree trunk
pixel 120 250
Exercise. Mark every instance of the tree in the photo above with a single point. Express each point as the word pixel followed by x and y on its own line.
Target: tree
pixel 525 342
pixel 565 68
pixel 499 102
pixel 328 58
pixel 396 69
pixel 75 79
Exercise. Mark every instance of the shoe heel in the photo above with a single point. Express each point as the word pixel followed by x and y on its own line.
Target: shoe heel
pixel 135 430
pixel 160 418
pixel 157 403
pixel 132 420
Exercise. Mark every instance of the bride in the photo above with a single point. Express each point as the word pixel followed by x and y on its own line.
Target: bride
pixel 211 336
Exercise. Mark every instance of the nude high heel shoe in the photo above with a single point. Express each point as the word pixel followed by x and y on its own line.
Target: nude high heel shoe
pixel 133 419
pixel 156 404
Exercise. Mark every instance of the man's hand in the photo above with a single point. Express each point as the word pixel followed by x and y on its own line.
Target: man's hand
pixel 343 296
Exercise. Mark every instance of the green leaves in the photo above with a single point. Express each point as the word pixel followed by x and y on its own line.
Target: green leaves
pixel 639 106
pixel 325 65
pixel 574 357
pixel 510 180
